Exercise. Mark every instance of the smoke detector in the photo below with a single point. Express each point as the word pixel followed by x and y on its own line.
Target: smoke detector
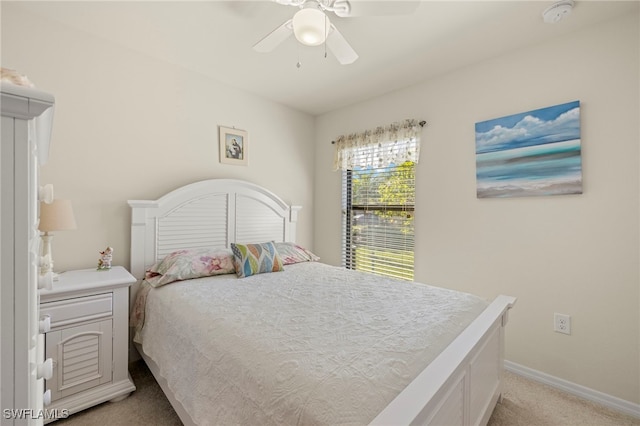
pixel 557 11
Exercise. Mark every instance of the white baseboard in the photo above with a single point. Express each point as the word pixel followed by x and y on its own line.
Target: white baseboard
pixel 608 401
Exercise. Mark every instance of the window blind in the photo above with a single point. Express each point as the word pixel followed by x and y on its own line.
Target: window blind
pixel 378 197
pixel 378 217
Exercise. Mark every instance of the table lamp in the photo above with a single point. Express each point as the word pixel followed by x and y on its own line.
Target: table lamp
pixel 57 216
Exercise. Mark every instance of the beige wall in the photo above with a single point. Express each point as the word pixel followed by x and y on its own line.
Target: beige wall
pixel 577 254
pixel 130 127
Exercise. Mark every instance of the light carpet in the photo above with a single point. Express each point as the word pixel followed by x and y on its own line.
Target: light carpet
pixel 525 403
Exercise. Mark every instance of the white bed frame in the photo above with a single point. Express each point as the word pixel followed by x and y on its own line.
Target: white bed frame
pixel 460 387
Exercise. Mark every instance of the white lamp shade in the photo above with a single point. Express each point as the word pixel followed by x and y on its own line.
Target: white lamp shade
pixel 311 26
pixel 57 216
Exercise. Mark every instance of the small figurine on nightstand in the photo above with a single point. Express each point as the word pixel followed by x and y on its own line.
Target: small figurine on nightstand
pixel 104 262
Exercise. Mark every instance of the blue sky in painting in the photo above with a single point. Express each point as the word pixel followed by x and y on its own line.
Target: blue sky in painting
pixel 546 125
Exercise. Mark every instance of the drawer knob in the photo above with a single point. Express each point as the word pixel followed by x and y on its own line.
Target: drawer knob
pixel 46 398
pixel 46 280
pixel 45 324
pixel 45 370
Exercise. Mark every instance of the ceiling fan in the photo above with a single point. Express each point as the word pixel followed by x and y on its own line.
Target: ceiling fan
pixel 311 25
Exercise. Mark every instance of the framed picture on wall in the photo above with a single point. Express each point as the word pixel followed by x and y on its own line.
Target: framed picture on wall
pixel 234 146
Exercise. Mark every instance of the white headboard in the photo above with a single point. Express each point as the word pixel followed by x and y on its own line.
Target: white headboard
pixel 210 213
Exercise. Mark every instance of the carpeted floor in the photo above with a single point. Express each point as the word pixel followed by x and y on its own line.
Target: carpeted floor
pixel 529 403
pixel 525 403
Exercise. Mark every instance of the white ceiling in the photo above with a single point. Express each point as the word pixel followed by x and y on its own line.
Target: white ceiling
pixel 215 39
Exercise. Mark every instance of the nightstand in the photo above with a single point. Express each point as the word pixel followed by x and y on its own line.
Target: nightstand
pixel 88 337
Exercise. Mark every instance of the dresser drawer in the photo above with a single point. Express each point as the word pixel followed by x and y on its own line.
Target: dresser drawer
pixel 78 309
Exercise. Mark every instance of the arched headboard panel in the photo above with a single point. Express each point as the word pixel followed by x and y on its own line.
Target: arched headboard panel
pixel 209 213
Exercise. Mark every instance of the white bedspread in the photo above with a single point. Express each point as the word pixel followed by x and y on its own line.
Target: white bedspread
pixel 314 344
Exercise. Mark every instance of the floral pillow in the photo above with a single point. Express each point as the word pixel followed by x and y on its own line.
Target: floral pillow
pixel 252 259
pixel 292 253
pixel 190 263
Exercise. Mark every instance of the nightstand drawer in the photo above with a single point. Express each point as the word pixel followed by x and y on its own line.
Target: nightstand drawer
pixel 78 309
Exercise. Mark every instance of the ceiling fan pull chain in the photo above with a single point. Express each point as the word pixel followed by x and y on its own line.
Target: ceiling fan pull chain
pixel 326 35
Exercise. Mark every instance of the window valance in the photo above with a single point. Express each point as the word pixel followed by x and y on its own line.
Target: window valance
pixel 385 145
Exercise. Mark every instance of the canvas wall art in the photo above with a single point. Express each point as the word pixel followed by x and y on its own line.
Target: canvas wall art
pixel 530 154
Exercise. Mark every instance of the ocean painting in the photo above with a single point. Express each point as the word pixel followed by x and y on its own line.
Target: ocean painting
pixel 532 153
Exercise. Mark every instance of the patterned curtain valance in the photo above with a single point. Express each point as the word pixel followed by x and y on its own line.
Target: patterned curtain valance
pixel 385 145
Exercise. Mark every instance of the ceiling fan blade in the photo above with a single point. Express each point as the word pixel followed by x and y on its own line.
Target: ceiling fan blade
pixel 340 48
pixel 349 8
pixel 274 38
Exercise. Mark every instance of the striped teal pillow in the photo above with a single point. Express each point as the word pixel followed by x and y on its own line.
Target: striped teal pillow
pixel 251 259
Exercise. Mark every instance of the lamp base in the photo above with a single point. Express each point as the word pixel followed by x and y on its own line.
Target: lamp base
pixel 46 261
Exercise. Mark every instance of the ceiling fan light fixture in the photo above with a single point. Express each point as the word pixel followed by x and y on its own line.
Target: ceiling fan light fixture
pixel 311 26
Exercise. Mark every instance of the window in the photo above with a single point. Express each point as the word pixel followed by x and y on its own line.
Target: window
pixel 378 198
pixel 378 213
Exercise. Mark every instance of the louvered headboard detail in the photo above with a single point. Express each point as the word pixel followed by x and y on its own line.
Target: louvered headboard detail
pixel 194 224
pixel 210 213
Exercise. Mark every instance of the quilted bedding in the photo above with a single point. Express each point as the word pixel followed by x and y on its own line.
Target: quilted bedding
pixel 313 344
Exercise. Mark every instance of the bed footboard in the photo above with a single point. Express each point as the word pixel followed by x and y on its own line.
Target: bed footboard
pixel 464 383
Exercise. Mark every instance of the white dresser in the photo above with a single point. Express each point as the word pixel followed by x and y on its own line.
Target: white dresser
pixel 88 340
pixel 26 129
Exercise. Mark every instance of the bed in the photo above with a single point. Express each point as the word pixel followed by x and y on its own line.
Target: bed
pixel 311 343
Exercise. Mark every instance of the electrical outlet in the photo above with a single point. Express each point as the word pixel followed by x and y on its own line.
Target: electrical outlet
pixel 562 323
